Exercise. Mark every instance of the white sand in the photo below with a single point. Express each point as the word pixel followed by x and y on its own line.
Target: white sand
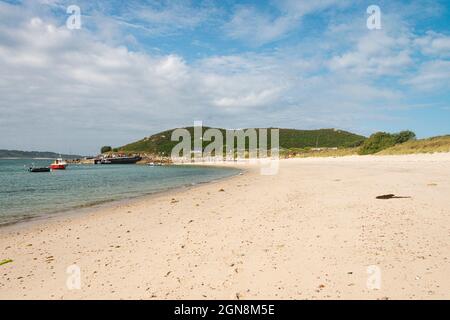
pixel 309 232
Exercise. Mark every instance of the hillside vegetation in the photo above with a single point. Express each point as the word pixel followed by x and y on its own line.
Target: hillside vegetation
pixel 430 145
pixel 161 143
pixel 312 143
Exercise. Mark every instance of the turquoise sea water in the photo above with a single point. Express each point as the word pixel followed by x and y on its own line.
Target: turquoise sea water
pixel 25 195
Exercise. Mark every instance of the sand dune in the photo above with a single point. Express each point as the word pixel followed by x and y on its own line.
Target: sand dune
pixel 313 231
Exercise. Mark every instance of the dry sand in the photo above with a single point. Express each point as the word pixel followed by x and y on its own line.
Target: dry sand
pixel 309 232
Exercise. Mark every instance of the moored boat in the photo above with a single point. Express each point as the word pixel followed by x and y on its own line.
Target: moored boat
pixel 58 164
pixel 39 169
pixel 118 160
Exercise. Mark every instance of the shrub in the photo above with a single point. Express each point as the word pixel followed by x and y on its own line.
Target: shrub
pixel 105 149
pixel 383 140
pixel 377 142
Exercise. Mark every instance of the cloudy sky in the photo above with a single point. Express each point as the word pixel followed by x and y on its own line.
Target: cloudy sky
pixel 138 67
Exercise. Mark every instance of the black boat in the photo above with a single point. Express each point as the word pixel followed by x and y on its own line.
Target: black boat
pixel 37 169
pixel 118 160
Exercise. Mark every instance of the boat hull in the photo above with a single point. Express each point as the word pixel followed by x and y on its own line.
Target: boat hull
pixel 39 169
pixel 58 167
pixel 118 160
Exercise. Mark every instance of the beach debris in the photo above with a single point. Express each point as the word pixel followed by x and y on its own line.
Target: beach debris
pixel 5 261
pixel 432 184
pixel 221 190
pixel 174 200
pixel 391 196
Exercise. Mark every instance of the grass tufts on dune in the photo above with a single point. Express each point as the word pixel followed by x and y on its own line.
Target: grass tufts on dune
pixel 431 145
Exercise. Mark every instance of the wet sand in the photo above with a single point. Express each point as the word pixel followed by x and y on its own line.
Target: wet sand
pixel 315 230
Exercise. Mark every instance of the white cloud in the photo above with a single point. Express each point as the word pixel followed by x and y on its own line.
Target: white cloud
pixel 375 53
pixel 249 99
pixel 172 14
pixel 434 44
pixel 301 8
pixel 432 76
pixel 255 27
pixel 157 18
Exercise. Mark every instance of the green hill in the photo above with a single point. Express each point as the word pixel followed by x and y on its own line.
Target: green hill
pixel 34 154
pixel 160 143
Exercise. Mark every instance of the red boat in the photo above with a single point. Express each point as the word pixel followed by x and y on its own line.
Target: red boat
pixel 58 164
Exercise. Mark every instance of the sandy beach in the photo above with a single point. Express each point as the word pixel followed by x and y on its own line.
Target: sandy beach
pixel 315 230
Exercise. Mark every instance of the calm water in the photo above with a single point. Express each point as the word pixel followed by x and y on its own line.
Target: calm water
pixel 25 195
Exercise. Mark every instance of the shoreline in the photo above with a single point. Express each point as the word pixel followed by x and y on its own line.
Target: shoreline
pixel 108 204
pixel 309 232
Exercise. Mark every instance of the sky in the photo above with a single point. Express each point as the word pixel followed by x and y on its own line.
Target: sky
pixel 135 68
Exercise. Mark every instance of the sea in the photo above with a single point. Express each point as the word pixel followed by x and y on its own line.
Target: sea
pixel 26 196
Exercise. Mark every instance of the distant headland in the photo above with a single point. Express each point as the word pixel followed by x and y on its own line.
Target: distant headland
pixel 17 154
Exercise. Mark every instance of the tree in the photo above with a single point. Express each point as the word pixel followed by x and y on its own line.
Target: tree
pixel 105 149
pixel 383 140
pixel 404 136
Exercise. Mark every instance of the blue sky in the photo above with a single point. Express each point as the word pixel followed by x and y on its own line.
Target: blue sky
pixel 138 67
